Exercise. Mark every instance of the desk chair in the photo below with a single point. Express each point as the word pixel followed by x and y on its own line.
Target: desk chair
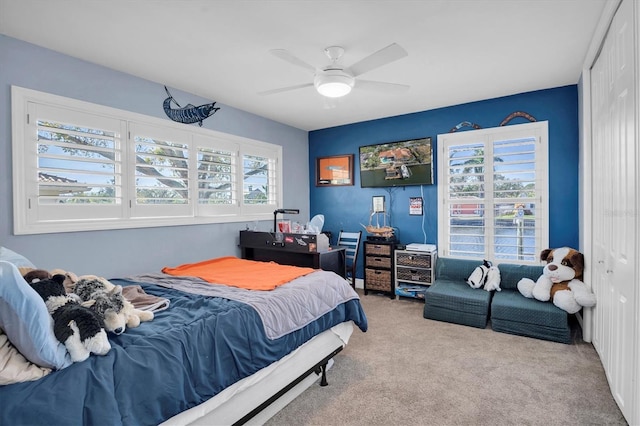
pixel 351 242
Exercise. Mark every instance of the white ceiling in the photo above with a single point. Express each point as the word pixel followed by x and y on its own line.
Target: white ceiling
pixel 459 50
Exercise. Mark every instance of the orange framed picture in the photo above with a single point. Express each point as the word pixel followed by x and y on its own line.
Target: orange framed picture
pixel 334 171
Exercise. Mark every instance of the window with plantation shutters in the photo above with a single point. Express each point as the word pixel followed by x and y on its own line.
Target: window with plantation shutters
pixel 493 190
pixel 80 166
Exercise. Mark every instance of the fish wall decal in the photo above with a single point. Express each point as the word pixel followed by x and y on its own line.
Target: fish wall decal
pixel 189 114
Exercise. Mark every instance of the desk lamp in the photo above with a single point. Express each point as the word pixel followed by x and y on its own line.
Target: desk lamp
pixel 283 211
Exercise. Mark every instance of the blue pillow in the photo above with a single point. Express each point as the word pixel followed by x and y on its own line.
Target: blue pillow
pixel 26 321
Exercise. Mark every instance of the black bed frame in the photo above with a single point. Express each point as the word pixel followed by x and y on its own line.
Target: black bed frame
pixel 319 369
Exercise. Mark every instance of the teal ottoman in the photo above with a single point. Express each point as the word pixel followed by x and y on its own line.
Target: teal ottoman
pixel 513 313
pixel 451 299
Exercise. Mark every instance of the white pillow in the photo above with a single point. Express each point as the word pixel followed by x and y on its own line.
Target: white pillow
pixel 26 321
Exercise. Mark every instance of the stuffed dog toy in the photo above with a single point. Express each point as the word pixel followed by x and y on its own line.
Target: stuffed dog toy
pixel 35 275
pixel 70 279
pixel 107 300
pixel 493 279
pixel 31 274
pixel 79 328
pixel 479 275
pixel 560 281
pixel 485 275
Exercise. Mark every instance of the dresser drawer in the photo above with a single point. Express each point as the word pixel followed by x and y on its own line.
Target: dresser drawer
pixel 417 275
pixel 416 260
pixel 377 249
pixel 377 279
pixel 378 262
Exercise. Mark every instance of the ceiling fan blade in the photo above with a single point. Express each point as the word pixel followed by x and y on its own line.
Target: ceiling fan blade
pixel 286 56
pixel 380 85
pixel 285 89
pixel 384 56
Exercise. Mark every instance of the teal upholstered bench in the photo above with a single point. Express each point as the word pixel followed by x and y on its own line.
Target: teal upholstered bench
pixel 451 299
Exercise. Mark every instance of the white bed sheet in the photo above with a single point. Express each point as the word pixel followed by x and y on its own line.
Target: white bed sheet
pixel 233 403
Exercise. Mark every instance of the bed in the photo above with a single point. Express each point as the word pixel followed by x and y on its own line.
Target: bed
pixel 217 355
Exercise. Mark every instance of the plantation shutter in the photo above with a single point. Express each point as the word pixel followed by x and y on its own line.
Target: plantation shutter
pixel 466 201
pixel 161 160
pixel 77 171
pixel 217 176
pixel 515 194
pixel 493 190
pixel 259 176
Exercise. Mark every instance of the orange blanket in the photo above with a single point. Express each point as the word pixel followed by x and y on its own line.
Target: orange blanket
pixel 249 274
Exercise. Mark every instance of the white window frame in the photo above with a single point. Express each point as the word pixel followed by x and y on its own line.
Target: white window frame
pixel 30 217
pixel 538 130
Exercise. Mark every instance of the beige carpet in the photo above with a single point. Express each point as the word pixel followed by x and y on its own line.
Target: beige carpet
pixel 407 370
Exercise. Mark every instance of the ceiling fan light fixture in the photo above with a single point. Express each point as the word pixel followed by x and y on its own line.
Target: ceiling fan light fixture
pixel 333 83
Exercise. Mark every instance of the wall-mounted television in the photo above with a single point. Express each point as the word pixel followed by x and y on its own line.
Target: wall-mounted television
pixel 398 163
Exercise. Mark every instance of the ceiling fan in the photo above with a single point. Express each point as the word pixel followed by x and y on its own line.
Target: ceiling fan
pixel 336 80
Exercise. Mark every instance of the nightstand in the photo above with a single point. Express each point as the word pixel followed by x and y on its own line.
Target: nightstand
pixel 414 272
pixel 378 267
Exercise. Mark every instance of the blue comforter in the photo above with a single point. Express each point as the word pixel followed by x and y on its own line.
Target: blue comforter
pixel 186 355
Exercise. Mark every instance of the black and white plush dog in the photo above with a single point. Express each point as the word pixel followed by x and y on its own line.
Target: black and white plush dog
pixel 79 328
pixel 485 275
pixel 479 275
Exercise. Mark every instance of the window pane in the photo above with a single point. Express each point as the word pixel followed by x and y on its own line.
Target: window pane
pixel 256 185
pixel 466 171
pixel 467 235
pixel 515 236
pixel 77 165
pixel 514 168
pixel 162 172
pixel 216 172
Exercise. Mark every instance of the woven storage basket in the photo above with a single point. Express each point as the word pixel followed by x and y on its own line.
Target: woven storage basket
pixel 378 262
pixel 378 279
pixel 382 249
pixel 417 260
pixel 417 275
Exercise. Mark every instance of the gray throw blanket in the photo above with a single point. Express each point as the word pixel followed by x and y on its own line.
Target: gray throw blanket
pixel 287 308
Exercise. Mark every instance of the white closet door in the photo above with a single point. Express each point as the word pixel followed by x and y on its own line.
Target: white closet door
pixel 615 209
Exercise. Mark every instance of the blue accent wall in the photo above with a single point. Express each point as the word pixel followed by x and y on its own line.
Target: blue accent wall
pixel 347 207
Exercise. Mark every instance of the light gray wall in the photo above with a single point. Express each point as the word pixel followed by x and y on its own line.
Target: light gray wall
pixel 117 253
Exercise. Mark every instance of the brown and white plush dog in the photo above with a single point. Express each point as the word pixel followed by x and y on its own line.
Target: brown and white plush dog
pixel 560 281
